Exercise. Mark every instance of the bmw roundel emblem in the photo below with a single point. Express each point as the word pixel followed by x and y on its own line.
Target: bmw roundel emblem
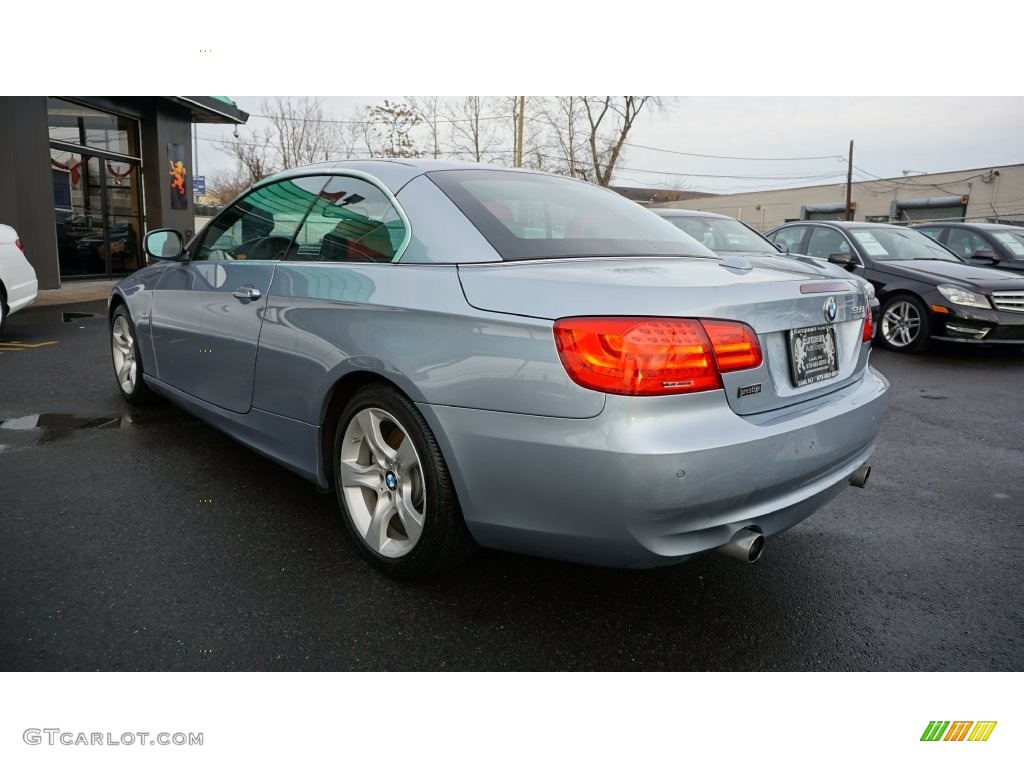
pixel 831 309
pixel 392 481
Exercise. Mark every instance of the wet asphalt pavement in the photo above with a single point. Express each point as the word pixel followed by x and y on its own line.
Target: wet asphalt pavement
pixel 142 539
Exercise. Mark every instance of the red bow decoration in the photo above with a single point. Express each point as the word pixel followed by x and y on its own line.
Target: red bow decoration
pixel 76 173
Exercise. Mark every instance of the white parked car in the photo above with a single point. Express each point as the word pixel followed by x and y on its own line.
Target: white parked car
pixel 18 284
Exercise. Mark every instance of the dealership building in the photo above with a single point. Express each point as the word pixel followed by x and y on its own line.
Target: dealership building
pixel 993 194
pixel 91 174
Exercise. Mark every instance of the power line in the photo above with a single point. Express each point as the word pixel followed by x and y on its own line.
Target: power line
pixel 560 158
pixel 548 123
pixel 728 157
pixel 446 121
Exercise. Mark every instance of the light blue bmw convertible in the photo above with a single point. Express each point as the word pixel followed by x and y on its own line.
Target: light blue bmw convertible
pixel 474 355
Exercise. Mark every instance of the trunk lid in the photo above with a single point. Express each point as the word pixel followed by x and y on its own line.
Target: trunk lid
pixel 773 298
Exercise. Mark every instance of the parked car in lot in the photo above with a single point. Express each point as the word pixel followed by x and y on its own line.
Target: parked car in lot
pixel 477 355
pixel 994 245
pixel 18 284
pixel 725 235
pixel 926 291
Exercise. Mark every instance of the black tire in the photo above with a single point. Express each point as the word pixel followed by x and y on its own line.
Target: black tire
pixel 396 497
pixel 124 352
pixel 3 308
pixel 904 324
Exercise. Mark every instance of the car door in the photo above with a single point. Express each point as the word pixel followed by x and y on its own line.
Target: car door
pixel 826 241
pixel 207 312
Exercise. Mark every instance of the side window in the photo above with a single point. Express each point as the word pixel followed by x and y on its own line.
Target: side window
pixel 789 238
pixel 351 220
pixel 824 242
pixel 964 243
pixel 262 225
pixel 933 232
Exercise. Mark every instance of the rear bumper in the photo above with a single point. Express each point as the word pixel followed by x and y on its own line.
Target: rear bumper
pixel 22 295
pixel 651 481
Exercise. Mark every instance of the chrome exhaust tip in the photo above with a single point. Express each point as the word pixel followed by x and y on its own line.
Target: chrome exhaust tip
pixel 860 478
pixel 746 545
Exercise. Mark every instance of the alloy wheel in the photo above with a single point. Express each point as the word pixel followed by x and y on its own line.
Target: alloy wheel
pixel 901 324
pixel 381 478
pixel 123 348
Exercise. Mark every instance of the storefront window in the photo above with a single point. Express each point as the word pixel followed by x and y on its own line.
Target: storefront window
pixel 74 124
pixel 95 195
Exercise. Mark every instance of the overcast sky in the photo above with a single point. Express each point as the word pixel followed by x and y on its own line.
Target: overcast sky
pixel 768 80
pixel 770 136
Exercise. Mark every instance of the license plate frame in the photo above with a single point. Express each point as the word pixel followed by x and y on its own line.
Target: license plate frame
pixel 813 355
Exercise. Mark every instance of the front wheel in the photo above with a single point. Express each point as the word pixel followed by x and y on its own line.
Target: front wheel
pixel 394 488
pixel 124 350
pixel 905 325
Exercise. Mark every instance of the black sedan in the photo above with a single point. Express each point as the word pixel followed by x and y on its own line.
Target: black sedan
pixel 926 291
pixel 995 245
pixel 728 236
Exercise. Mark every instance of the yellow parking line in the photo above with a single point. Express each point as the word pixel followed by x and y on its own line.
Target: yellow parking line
pixel 13 346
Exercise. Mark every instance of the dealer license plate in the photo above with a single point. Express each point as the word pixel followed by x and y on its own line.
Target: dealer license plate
pixel 812 354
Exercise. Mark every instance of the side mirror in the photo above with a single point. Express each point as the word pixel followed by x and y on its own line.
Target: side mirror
pixel 845 260
pixel 163 244
pixel 985 256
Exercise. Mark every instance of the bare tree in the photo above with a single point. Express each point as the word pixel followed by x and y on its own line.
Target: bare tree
pixel 474 130
pixel 354 135
pixel 431 111
pixel 252 153
pixel 226 185
pixel 566 118
pixel 674 183
pixel 301 131
pixel 610 119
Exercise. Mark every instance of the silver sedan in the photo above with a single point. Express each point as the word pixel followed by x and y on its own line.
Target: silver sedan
pixel 471 355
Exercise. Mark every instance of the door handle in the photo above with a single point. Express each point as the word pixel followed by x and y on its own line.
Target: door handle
pixel 246 292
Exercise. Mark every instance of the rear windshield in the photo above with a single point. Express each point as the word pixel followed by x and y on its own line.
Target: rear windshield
pixel 536 216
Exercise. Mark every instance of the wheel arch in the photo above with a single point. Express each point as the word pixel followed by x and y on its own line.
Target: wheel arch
pixel 116 300
pixel 337 397
pixel 898 291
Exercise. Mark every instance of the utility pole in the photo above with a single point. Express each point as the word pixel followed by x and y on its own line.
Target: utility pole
pixel 849 184
pixel 519 133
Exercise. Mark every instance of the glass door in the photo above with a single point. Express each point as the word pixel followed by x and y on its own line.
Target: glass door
pixel 122 253
pixel 94 159
pixel 96 202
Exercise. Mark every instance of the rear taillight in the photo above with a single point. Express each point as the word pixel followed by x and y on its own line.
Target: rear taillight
pixel 20 246
pixel 869 326
pixel 653 356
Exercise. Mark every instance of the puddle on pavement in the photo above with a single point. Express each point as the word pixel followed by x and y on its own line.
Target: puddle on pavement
pixel 70 317
pixel 63 421
pixel 44 427
pixel 50 317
